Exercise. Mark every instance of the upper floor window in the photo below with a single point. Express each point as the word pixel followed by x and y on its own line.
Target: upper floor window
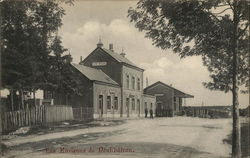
pixel 108 102
pixel 133 82
pixel 127 81
pixel 116 103
pixel 138 84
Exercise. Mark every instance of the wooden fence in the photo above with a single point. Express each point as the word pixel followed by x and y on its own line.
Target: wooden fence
pixel 83 113
pixel 207 113
pixel 35 116
pixel 58 113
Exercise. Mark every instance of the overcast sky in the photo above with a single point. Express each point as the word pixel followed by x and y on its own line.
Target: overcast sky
pixel 87 20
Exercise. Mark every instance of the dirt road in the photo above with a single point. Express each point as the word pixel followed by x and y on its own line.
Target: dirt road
pixel 159 137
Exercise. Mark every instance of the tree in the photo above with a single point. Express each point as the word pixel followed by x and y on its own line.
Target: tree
pixel 217 30
pixel 17 48
pixel 60 75
pixel 63 78
pixel 27 31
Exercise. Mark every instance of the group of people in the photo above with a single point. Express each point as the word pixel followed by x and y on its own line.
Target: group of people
pixel 150 112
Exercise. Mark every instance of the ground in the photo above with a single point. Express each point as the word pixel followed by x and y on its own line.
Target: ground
pixel 176 137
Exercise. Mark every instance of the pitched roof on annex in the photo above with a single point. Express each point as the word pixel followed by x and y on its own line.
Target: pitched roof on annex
pixel 94 74
pixel 177 93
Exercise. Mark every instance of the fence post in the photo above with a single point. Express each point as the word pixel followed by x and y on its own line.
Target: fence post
pixel 81 113
pixel 44 114
pixel 1 120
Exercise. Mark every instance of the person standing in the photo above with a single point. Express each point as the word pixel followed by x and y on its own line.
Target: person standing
pixel 146 112
pixel 151 113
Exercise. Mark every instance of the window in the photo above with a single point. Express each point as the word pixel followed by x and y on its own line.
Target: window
pixel 133 82
pixel 127 81
pixel 133 104
pixel 159 105
pixel 138 84
pixel 101 102
pixel 151 105
pixel 116 103
pixel 180 104
pixel 146 106
pixel 108 102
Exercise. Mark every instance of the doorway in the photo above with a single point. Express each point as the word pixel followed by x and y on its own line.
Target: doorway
pixel 127 106
pixel 138 107
pixel 159 109
pixel 100 102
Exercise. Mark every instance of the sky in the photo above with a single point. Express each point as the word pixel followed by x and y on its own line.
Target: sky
pixel 86 21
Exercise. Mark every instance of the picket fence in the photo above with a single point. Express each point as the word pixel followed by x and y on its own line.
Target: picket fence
pixel 38 115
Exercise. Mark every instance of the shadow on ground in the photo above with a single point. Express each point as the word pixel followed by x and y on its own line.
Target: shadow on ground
pixel 72 125
pixel 245 139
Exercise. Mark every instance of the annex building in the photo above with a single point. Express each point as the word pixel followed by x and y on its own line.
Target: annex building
pixel 169 100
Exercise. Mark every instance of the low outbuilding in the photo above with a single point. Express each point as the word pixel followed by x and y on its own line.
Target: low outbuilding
pixel 169 100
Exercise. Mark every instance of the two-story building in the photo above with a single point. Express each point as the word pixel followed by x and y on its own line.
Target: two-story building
pixel 127 75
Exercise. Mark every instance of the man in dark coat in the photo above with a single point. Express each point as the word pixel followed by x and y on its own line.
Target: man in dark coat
pixel 151 113
pixel 146 112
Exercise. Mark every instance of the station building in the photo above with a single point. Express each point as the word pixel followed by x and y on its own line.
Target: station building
pixel 130 100
pixel 112 86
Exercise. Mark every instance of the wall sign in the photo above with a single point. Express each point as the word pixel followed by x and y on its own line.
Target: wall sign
pixel 99 63
pixel 159 95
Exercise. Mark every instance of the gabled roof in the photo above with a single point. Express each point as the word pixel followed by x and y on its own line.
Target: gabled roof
pixel 117 57
pixel 177 92
pixel 94 74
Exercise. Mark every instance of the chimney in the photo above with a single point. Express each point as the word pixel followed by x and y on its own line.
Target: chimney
pixel 100 44
pixel 80 58
pixel 68 58
pixel 123 54
pixel 111 47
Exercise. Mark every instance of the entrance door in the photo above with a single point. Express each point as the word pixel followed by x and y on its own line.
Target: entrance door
pixel 127 106
pixel 159 109
pixel 100 105
pixel 138 107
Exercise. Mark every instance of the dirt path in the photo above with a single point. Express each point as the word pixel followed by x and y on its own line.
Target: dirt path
pixel 161 137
